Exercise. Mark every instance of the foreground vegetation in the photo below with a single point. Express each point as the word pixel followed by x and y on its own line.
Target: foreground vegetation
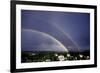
pixel 27 57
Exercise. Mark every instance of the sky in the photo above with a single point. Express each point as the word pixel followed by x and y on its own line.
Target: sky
pixel 70 28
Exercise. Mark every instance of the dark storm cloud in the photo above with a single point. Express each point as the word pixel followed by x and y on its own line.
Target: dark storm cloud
pixel 33 40
pixel 76 25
